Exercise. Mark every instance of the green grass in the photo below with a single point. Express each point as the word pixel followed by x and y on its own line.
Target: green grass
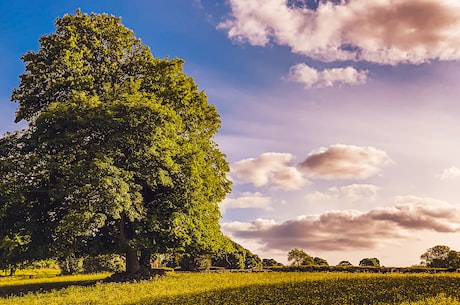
pixel 14 286
pixel 249 288
pixel 31 273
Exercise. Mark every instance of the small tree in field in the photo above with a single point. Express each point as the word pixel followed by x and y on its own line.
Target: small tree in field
pixel 119 155
pixel 345 264
pixel 370 262
pixel 300 257
pixel 320 261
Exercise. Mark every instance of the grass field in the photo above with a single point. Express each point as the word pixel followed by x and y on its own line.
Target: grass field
pixel 31 273
pixel 241 289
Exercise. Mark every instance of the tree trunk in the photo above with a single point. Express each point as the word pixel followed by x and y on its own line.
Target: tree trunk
pixel 146 256
pixel 12 271
pixel 132 259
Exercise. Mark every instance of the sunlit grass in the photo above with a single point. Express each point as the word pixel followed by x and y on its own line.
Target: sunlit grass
pixel 254 288
pixel 29 273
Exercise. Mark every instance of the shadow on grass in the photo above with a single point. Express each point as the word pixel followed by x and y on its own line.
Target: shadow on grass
pixel 18 289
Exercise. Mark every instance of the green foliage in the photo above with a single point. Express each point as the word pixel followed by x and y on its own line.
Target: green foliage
pixel 104 263
pixel 71 265
pixel 270 262
pixel 249 288
pixel 441 257
pixel 85 54
pixel 299 257
pixel 345 264
pixel 195 263
pixel 320 261
pixel 370 262
pixel 453 259
pixel 118 156
pixel 46 263
pixel 236 257
pixel 234 260
pixel 252 261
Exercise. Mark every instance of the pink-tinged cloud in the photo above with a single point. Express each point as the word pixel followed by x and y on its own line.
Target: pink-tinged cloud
pixel 269 169
pixel 449 173
pixel 313 78
pixel 248 200
pixel 351 193
pixel 351 230
pixel 344 162
pixel 379 31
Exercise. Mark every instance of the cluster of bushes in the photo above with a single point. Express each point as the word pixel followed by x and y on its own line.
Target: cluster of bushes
pixel 235 257
pixel 93 264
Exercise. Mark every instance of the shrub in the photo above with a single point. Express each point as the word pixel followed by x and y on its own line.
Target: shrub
pixel 195 263
pixel 104 263
pixel 71 265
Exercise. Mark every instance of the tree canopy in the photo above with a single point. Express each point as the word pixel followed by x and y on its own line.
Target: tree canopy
pixel 237 257
pixel 370 262
pixel 441 256
pixel 119 155
pixel 299 257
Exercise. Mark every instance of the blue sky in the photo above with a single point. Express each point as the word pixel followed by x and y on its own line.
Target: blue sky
pixel 340 120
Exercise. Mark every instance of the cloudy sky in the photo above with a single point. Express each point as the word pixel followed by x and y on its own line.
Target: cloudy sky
pixel 341 119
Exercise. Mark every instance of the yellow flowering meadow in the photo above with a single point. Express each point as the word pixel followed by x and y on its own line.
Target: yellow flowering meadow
pixel 243 288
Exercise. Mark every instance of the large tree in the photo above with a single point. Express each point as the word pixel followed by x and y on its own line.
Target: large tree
pixel 440 256
pixel 435 257
pixel 119 154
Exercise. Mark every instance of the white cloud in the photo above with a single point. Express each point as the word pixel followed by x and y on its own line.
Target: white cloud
pixel 351 230
pixel 273 169
pixel 357 192
pixel 352 193
pixel 449 173
pixel 345 162
pixel 319 197
pixel 248 200
pixel 380 31
pixel 313 78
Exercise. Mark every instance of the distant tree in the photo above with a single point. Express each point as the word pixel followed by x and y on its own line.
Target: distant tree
pixel 370 262
pixel 232 260
pixel 453 259
pixel 270 262
pixel 345 264
pixel 236 257
pixel 320 261
pixel 300 257
pixel 252 261
pixel 436 257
